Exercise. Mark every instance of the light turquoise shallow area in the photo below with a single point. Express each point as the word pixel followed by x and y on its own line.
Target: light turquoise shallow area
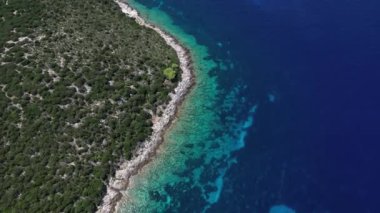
pixel 281 209
pixel 188 171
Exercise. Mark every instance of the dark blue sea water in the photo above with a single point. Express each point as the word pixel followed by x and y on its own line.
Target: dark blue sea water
pixel 313 68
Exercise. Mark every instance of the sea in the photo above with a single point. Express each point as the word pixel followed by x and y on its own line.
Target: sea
pixel 285 114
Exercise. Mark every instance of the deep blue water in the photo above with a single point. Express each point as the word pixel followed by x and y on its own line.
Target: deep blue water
pixel 313 67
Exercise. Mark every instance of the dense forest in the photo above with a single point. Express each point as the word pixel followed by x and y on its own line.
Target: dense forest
pixel 79 84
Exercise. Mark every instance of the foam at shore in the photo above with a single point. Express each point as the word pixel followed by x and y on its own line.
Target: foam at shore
pixel 160 124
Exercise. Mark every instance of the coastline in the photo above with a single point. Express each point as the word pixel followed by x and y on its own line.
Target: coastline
pixel 148 148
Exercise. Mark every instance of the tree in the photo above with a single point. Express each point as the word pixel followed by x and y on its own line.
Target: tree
pixel 171 72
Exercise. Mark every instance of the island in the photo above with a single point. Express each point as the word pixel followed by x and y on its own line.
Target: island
pixel 87 93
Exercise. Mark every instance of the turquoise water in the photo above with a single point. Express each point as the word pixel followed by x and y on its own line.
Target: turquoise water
pixel 281 209
pixel 188 171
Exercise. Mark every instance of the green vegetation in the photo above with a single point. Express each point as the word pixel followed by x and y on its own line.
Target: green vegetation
pixel 171 72
pixel 79 82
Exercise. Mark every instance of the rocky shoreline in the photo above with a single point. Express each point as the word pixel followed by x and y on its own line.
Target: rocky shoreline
pixel 149 147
